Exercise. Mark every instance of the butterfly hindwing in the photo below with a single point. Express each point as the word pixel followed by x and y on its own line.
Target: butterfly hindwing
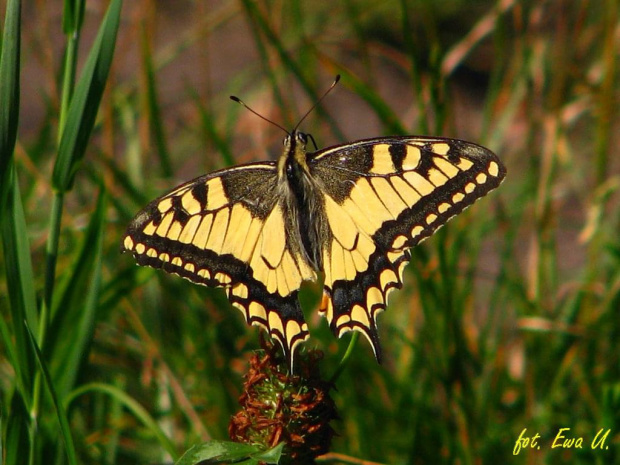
pixel 228 229
pixel 383 196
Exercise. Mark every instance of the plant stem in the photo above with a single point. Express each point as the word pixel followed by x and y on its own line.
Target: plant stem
pixel 51 253
pixel 345 357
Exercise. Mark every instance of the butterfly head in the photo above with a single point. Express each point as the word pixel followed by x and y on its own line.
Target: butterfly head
pixel 295 138
pixel 293 159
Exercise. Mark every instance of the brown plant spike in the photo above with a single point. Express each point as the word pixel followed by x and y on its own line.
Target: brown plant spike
pixel 278 407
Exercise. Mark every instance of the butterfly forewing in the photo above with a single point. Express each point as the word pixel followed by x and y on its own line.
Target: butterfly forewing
pixel 383 196
pixel 228 229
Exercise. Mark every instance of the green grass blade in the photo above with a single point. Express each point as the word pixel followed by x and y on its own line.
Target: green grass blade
pixel 115 414
pixel 207 120
pixel 73 16
pixel 16 436
pixel 20 283
pixel 9 93
pixel 276 42
pixel 607 105
pixel 60 410
pixel 413 51
pixel 345 358
pixel 86 100
pixel 153 108
pixel 11 355
pixel 138 411
pixel 268 69
pixel 383 111
pixel 74 312
pixel 80 120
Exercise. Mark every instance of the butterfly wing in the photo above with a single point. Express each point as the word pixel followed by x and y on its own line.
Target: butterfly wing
pixel 229 229
pixel 381 197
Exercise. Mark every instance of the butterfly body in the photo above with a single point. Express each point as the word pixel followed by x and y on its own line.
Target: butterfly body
pixel 351 212
pixel 301 197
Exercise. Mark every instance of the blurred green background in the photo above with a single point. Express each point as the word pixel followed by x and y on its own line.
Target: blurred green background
pixel 509 317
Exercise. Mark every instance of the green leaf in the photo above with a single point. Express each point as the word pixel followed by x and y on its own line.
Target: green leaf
pixel 61 413
pixel 74 312
pixel 213 452
pixel 384 112
pixel 72 16
pixel 86 100
pixel 154 109
pixel 16 439
pixel 271 455
pixel 207 120
pixel 20 283
pixel 9 93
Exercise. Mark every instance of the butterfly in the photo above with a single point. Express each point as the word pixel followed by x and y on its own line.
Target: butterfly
pixel 351 212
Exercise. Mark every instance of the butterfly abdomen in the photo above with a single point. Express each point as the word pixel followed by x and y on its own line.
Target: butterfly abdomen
pixel 304 200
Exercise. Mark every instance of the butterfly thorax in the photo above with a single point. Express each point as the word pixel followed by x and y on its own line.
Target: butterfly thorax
pixel 302 196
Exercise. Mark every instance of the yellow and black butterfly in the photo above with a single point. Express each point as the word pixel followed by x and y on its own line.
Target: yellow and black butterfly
pixel 351 211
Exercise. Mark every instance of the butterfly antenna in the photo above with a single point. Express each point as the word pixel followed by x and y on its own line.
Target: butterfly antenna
pixel 313 141
pixel 318 101
pixel 238 100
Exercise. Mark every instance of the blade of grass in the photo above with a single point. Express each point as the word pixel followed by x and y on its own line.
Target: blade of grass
pixel 60 409
pixel 134 407
pixel 73 16
pixel 153 109
pixel 485 26
pixel 80 120
pixel 607 108
pixel 354 14
pixel 17 433
pixel 21 289
pixel 207 123
pixel 275 41
pixel 268 69
pixel 74 312
pixel 9 93
pixel 85 103
pixel 72 20
pixel 75 134
pixel 416 75
pixel 115 417
pixel 20 278
pixel 382 110
pixel 345 358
